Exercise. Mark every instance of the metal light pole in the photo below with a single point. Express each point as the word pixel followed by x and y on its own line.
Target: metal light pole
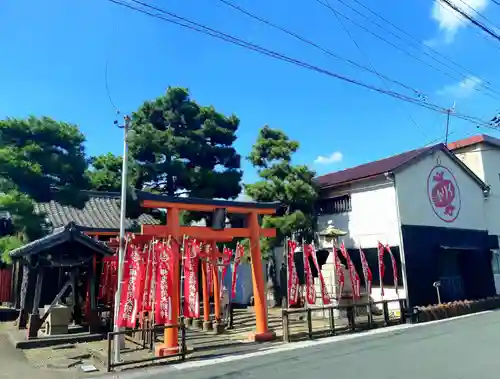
pixel 121 251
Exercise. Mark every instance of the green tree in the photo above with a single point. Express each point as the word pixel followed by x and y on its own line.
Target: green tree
pixel 40 159
pixel 281 181
pixel 181 147
pixel 105 173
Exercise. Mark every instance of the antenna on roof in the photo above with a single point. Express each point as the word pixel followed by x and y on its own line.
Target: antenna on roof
pixel 449 111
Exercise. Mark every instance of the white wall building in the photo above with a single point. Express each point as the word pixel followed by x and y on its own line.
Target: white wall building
pixel 430 208
pixel 481 154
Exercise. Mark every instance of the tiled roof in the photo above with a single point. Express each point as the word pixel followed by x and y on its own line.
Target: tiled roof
pixel 481 138
pixel 101 212
pixel 372 169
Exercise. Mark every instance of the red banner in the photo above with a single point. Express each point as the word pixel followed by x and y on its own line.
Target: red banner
pixel 367 273
pixel 107 283
pixel 394 268
pixel 381 267
pixel 324 291
pixel 226 261
pixel 147 296
pixel 240 251
pixel 310 291
pixel 125 313
pixel 339 273
pixel 140 268
pixel 163 309
pixel 353 275
pixel 191 286
pixel 293 278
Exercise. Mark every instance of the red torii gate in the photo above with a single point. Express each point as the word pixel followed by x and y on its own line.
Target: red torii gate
pixel 253 231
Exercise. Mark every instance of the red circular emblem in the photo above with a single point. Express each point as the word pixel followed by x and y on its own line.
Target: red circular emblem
pixel 444 193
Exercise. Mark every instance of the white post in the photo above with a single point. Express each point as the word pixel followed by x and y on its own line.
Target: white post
pixel 121 251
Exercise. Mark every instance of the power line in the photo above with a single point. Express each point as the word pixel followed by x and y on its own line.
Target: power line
pixel 478 13
pixel 186 23
pixel 417 41
pixel 462 76
pixel 471 19
pixel 373 68
pixel 314 44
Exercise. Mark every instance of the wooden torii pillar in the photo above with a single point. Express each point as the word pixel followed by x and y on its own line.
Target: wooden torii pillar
pixel 253 231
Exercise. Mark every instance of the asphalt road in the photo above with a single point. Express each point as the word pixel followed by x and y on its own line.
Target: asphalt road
pixel 464 348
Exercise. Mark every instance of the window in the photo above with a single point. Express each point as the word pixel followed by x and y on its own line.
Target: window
pixel 335 205
pixel 495 262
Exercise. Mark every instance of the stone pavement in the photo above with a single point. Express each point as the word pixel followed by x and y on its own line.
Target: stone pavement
pixel 65 362
pixel 465 348
pixel 42 363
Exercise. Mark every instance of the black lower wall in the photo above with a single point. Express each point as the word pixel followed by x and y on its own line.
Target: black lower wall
pixel 468 258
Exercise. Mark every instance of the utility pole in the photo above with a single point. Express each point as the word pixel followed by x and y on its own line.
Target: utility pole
pixel 448 113
pixel 121 250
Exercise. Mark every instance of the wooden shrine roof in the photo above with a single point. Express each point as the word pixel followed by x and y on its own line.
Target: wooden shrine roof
pixel 69 233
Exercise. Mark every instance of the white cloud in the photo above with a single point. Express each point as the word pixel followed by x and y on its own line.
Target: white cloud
pixel 332 158
pixel 450 21
pixel 462 89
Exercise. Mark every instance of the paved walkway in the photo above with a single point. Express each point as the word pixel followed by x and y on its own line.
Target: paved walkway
pixel 456 349
pixel 13 364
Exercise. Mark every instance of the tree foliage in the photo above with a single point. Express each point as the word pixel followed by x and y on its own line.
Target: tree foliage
pixel 105 173
pixel 40 160
pixel 182 147
pixel 40 155
pixel 281 181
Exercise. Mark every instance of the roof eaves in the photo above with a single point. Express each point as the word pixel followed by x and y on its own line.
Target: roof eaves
pixel 60 235
pixel 347 182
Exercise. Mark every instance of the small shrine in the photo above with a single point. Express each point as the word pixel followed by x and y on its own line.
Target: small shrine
pixel 56 282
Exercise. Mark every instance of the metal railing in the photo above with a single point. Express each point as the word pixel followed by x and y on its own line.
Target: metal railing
pixel 351 310
pixel 147 340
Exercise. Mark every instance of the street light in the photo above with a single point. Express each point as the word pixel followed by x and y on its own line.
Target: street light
pixel 121 250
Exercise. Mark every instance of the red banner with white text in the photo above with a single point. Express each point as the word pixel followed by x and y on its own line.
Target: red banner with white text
pixel 164 274
pixel 240 251
pixel 324 292
pixel 394 268
pixel 339 273
pixel 381 267
pixel 227 254
pixel 367 273
pixel 293 277
pixel 191 286
pixel 353 275
pixel 310 291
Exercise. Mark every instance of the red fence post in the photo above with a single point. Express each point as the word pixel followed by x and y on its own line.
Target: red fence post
pixel 5 285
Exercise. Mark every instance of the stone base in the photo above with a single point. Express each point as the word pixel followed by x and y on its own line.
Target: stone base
pixel 188 322
pixel 33 326
pixel 22 320
pixel 198 323
pixel 218 328
pixel 163 350
pixel 262 337
pixel 207 326
pixel 94 322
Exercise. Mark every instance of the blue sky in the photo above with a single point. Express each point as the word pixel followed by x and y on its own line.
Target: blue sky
pixel 53 57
